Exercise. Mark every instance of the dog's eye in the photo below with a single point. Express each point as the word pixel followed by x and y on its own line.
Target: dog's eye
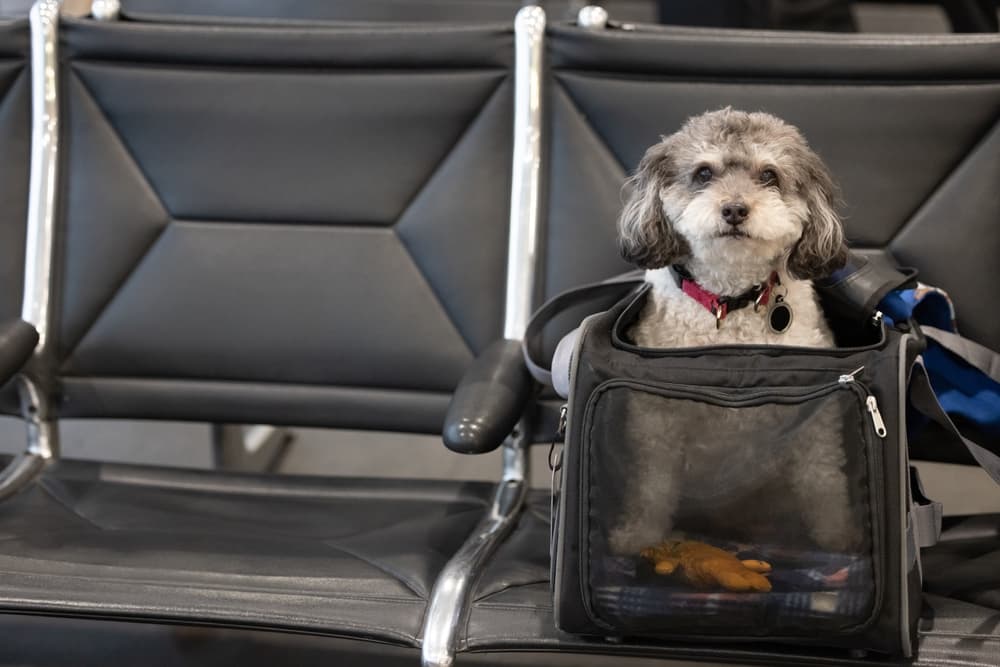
pixel 703 175
pixel 769 177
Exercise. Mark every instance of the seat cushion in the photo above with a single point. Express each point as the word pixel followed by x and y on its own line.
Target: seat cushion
pixel 965 564
pixel 513 606
pixel 350 557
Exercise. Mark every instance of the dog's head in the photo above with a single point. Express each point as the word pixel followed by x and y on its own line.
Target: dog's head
pixel 732 186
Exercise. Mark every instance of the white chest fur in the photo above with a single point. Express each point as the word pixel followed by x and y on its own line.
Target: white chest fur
pixel 671 318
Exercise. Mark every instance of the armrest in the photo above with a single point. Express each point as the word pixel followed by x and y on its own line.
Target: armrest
pixel 489 400
pixel 17 342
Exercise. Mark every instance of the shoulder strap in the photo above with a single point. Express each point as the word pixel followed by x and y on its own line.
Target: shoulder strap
pixel 924 399
pixel 979 357
pixel 602 295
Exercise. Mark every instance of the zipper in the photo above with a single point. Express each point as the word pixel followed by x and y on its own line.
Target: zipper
pixel 557 531
pixel 871 404
pixel 876 476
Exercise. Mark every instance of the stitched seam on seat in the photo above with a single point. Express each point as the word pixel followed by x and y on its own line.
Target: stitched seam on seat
pixel 514 607
pixel 416 195
pixel 960 635
pixel 510 587
pixel 134 163
pixel 406 581
pixel 806 81
pixel 202 482
pixel 261 68
pixel 369 29
pixel 4 99
pixel 46 484
pixel 943 183
pixel 321 595
pixel 776 37
pixel 257 383
pixel 540 514
pixel 221 614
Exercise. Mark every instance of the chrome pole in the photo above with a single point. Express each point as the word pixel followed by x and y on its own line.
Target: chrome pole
pixel 451 597
pixel 44 19
pixel 525 202
pixel 43 443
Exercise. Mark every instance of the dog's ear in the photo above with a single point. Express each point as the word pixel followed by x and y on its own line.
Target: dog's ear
pixel 646 237
pixel 821 250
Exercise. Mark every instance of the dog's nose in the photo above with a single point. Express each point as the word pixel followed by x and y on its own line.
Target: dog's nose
pixel 735 213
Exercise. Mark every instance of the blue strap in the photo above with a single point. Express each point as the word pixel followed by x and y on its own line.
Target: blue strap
pixel 960 377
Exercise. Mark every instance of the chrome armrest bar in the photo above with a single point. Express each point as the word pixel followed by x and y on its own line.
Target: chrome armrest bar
pixel 451 596
pixel 43 443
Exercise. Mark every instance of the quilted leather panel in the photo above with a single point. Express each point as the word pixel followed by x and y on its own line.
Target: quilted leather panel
pixel 348 557
pixel 265 145
pixel 216 318
pixel 15 146
pixel 334 224
pixel 889 146
pixel 911 146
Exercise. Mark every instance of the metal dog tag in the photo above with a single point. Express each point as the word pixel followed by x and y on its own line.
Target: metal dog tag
pixel 779 316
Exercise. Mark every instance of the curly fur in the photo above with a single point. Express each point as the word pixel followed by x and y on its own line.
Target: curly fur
pixel 672 216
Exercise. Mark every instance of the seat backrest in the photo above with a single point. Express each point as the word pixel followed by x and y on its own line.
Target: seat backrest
pixel 294 225
pixel 423 11
pixel 15 143
pixel 909 125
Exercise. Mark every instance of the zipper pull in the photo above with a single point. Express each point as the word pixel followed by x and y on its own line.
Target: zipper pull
pixel 849 377
pixel 555 456
pixel 870 403
pixel 876 416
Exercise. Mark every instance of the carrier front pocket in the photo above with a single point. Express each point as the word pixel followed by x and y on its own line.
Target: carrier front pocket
pixel 751 512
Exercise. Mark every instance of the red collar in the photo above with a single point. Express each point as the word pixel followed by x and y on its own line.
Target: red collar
pixel 718 305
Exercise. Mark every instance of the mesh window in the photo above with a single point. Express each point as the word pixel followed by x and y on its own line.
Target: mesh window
pixel 739 513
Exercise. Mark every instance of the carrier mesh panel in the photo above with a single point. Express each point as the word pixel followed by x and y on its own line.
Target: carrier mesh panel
pixel 746 512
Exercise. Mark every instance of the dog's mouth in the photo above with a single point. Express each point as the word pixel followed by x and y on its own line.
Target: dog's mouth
pixel 734 233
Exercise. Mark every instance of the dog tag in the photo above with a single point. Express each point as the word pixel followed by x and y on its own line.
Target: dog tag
pixel 779 316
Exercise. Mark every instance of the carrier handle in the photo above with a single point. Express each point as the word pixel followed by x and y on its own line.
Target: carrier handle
pixel 605 293
pixel 856 290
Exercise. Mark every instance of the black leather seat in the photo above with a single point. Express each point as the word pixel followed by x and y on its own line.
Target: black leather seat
pixel 352 557
pixel 910 127
pixel 264 225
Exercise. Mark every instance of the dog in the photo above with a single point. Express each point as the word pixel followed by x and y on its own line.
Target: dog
pixel 733 206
